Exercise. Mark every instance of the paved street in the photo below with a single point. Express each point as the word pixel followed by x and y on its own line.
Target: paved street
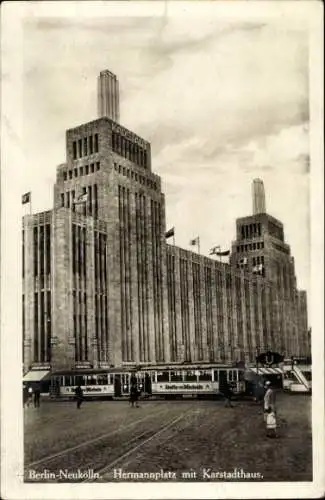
pixel 199 439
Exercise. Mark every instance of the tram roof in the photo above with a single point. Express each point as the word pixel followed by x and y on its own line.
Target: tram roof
pixel 128 369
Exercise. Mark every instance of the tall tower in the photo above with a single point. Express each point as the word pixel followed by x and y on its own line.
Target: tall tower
pixel 260 249
pixel 258 195
pixel 108 96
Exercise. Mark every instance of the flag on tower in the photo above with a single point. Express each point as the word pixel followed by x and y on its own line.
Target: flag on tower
pixel 217 251
pixel 257 269
pixel 170 233
pixel 26 198
pixel 81 199
pixel 195 241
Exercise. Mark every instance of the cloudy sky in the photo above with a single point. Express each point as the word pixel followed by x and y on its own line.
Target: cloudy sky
pixel 221 100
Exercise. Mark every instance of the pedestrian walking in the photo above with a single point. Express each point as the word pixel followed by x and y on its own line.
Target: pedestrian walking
pixel 134 396
pixel 30 395
pixel 79 396
pixel 25 395
pixel 226 391
pixel 37 397
pixel 258 391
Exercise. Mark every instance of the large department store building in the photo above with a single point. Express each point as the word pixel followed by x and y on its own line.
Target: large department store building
pixel 102 287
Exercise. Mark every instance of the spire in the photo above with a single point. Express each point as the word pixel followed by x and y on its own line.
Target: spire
pixel 258 196
pixel 108 96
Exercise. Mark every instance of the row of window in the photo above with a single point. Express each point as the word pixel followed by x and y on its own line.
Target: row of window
pixel 249 231
pixel 258 265
pixel 88 200
pixel 280 248
pixel 252 246
pixel 129 150
pixel 83 170
pixel 163 376
pixel 275 231
pixel 85 146
pixel 134 176
pixel 197 375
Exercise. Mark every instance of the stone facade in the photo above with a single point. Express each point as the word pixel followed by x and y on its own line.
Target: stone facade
pixel 260 249
pixel 102 287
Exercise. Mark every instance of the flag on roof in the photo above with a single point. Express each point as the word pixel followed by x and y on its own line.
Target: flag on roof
pixel 170 233
pixel 195 241
pixel 81 199
pixel 26 198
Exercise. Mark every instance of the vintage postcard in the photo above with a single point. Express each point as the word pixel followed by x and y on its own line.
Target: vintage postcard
pixel 162 250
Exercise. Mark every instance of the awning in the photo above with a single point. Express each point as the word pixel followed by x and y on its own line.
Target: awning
pixel 35 375
pixel 266 371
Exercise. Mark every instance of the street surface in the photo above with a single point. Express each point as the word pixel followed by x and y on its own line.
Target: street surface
pixel 180 440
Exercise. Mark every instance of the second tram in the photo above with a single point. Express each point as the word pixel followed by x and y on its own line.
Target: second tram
pixel 160 381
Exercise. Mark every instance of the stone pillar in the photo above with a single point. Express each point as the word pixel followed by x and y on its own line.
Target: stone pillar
pixel 29 290
pixel 134 280
pixel 91 311
pixel 63 342
pixel 203 312
pixel 178 312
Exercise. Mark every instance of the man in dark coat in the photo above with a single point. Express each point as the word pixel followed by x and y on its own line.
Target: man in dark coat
pixel 134 395
pixel 37 396
pixel 79 396
pixel 226 391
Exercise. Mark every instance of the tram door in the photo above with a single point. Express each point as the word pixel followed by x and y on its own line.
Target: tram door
pixel 147 384
pixel 223 379
pixel 125 383
pixel 140 382
pixel 117 385
pixel 144 382
pixel 121 384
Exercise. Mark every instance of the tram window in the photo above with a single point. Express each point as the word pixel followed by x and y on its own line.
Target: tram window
pixel 90 380
pixel 230 378
pixel 79 380
pixel 162 376
pixel 290 376
pixel 177 376
pixel 205 375
pixel 190 376
pixel 103 379
pixel 216 375
pixel 241 376
pixel 307 375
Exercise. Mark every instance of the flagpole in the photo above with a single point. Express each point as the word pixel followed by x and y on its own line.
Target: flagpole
pixel 219 248
pixel 198 244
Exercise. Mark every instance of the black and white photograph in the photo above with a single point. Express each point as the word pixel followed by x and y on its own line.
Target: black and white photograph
pixel 161 250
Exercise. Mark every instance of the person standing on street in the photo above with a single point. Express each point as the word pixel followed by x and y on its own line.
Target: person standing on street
pixel 37 397
pixel 226 391
pixel 25 395
pixel 30 395
pixel 270 410
pixel 134 395
pixel 79 396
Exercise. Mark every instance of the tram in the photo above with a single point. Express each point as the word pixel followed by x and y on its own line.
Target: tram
pixel 166 381
pixel 297 375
